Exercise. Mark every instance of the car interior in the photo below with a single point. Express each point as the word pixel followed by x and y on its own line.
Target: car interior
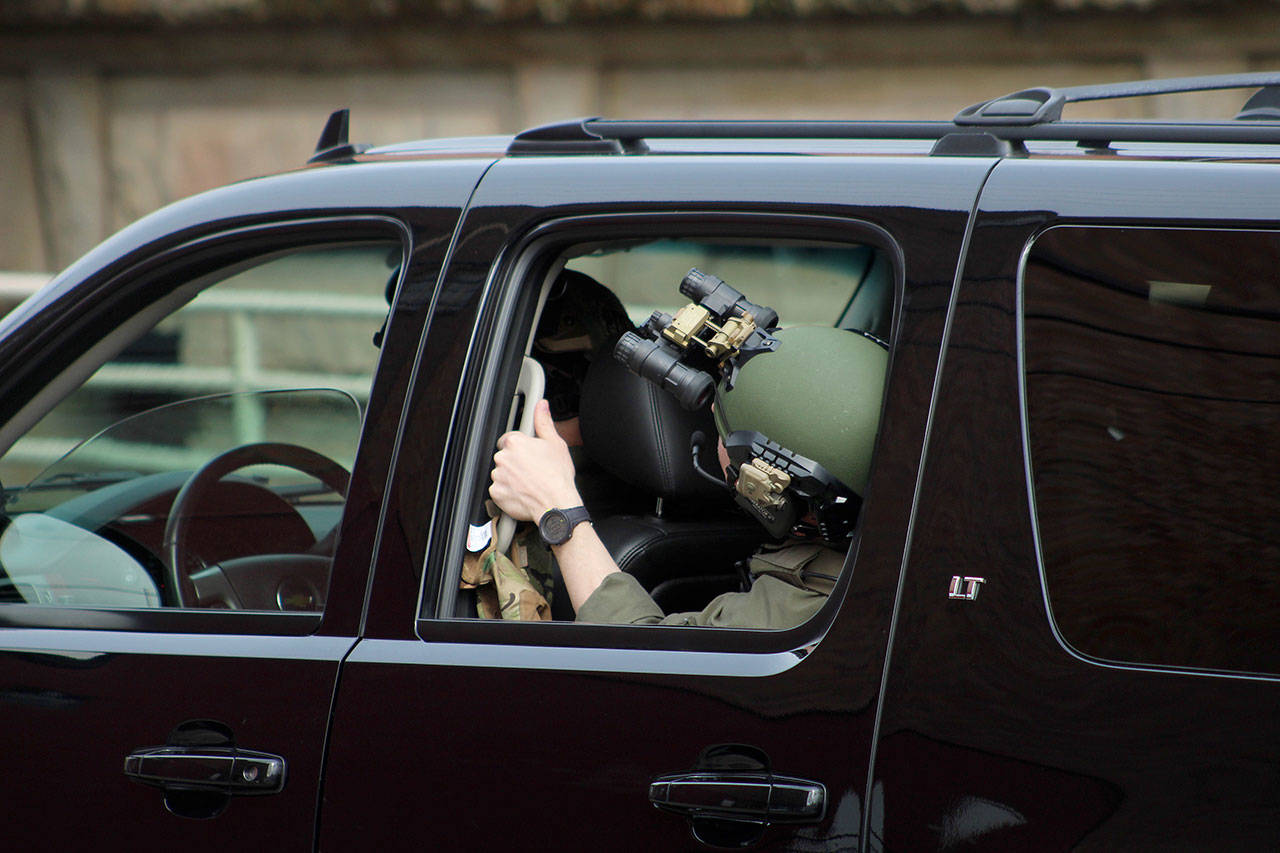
pixel 134 480
pixel 645 465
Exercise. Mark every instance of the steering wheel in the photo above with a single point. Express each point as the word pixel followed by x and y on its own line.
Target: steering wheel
pixel 531 386
pixel 177 530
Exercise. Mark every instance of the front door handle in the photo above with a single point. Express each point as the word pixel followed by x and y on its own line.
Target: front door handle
pixel 225 770
pixel 740 796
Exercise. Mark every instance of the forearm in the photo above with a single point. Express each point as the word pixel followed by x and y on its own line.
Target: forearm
pixel 533 474
pixel 584 563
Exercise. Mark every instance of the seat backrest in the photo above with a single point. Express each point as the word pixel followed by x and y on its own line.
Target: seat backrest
pixel 640 434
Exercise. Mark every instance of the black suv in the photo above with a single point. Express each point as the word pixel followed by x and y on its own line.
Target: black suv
pixel 247 441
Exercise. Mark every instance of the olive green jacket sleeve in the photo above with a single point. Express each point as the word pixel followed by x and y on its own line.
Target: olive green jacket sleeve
pixel 779 596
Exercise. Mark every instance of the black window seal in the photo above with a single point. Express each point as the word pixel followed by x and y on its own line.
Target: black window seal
pixel 490 366
pixel 1025 440
pixel 135 286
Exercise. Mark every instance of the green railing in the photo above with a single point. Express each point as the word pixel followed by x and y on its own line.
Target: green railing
pixel 244 311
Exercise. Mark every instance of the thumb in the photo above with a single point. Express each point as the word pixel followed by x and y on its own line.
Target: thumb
pixel 543 426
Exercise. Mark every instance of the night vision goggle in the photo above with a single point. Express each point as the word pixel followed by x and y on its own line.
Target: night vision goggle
pixel 706 343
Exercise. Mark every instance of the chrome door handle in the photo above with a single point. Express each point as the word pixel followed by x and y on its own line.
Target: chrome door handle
pixel 225 770
pixel 742 796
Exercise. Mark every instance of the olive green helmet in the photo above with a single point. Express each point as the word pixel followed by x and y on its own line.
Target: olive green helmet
pixel 818 395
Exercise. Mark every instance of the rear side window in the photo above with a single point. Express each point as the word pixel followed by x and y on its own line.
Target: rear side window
pixel 1152 371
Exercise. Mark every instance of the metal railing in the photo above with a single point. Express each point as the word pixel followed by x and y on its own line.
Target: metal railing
pixel 245 371
pixel 243 310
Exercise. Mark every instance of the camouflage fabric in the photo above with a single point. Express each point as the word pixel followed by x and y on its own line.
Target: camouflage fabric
pixel 790 583
pixel 516 585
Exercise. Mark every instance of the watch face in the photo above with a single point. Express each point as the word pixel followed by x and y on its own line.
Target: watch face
pixel 554 527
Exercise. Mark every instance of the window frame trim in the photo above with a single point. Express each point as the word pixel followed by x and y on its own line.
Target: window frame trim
pixel 1028 473
pixel 218 250
pixel 487 365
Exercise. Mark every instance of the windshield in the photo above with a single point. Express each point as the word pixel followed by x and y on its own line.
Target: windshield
pixel 226 501
pixel 184 435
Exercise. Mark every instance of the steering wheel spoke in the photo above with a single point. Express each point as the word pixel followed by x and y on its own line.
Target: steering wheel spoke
pixel 253 582
pixel 213 589
pixel 292 582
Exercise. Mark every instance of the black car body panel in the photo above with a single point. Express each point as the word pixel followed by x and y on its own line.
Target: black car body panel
pixel 1010 721
pixel 611 717
pixel 78 701
pixel 1053 627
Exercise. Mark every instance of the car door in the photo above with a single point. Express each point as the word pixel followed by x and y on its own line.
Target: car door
pixel 197 422
pixel 1101 480
pixel 470 733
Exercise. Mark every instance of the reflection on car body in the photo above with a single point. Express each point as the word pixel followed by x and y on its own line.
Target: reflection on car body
pixel 246 445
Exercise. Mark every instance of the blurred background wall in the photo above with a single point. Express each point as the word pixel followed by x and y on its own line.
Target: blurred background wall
pixel 112 108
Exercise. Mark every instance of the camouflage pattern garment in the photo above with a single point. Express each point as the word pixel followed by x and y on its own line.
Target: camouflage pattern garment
pixel 514 585
pixel 790 583
pixel 581 320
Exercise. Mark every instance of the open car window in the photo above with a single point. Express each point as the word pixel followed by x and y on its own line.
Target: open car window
pixel 204 463
pixel 848 286
pixel 684 539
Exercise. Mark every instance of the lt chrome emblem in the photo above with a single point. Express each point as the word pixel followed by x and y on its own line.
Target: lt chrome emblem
pixel 965 589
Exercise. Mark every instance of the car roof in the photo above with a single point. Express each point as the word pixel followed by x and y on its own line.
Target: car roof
pixel 1026 122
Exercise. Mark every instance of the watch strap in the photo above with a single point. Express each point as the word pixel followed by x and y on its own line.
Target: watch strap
pixel 573 516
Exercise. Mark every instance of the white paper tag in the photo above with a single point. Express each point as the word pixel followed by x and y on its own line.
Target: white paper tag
pixel 479 536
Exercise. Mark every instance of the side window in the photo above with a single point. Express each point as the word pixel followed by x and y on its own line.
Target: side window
pixel 846 286
pixel 649 471
pixel 204 462
pixel 1152 391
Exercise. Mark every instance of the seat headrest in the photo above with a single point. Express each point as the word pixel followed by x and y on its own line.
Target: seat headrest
pixel 640 434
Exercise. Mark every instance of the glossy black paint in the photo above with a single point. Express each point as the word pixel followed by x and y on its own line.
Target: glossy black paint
pixel 581 721
pixel 71 717
pixel 933 723
pixel 74 703
pixel 995 734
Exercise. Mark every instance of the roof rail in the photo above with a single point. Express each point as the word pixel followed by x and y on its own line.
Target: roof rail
pixel 612 136
pixel 577 136
pixel 1263 106
pixel 1043 104
pixel 997 127
pixel 631 134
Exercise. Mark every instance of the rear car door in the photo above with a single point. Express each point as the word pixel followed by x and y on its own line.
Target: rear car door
pixel 195 445
pixel 1103 461
pixel 478 734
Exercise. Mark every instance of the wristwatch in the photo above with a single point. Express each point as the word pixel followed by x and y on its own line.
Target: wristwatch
pixel 556 525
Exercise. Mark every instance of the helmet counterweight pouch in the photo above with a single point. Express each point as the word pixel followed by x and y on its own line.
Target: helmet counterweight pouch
pixel 775 486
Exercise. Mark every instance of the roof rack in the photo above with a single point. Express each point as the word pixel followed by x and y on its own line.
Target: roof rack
pixel 998 127
pixel 611 136
pixel 1043 104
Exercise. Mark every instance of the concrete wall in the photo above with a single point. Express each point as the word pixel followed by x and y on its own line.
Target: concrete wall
pixel 100 127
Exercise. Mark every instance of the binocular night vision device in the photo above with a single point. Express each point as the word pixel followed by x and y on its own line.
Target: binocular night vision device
pixel 710 338
pixel 707 341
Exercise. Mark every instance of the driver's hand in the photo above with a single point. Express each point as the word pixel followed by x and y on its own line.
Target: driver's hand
pixel 532 474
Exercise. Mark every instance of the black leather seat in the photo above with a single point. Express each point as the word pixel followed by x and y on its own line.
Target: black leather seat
pixel 684 549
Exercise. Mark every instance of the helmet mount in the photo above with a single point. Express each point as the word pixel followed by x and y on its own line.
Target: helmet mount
pixel 798 425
